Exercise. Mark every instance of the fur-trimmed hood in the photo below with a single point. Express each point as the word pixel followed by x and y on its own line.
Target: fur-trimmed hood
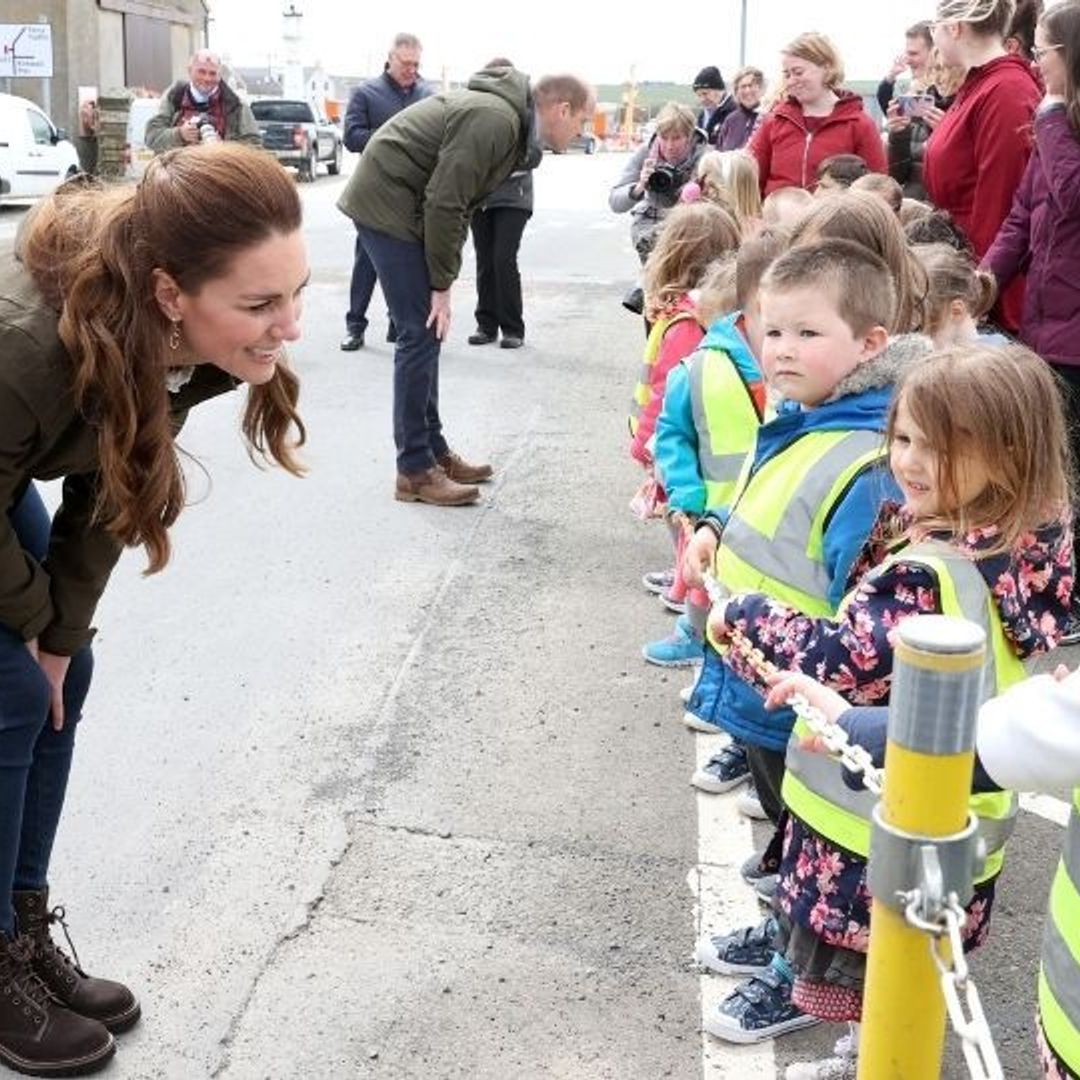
pixel 902 353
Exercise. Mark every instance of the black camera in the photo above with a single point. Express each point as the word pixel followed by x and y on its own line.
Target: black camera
pixel 664 179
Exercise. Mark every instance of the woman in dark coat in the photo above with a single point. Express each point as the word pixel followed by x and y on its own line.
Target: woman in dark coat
pixel 1041 235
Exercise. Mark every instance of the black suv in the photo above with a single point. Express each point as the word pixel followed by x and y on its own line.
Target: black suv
pixel 292 132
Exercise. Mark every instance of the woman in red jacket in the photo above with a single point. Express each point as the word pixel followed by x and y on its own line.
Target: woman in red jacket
pixel 813 119
pixel 976 157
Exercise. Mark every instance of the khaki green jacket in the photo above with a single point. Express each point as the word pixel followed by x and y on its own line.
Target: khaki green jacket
pixel 43 437
pixel 161 129
pixel 427 168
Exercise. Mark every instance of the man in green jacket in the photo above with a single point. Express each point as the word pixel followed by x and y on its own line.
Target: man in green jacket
pixel 411 197
pixel 189 103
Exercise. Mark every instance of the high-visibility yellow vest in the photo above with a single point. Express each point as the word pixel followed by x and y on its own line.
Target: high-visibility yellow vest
pixel 643 390
pixel 1059 972
pixel 726 419
pixel 814 789
pixel 774 539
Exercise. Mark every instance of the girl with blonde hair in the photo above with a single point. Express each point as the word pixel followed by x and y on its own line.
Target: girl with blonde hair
pixel 729 178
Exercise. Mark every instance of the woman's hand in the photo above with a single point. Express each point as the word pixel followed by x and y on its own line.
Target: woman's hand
pixel 55 669
pixel 439 317
pixel 648 167
pixel 698 557
pixel 895 120
pixel 932 116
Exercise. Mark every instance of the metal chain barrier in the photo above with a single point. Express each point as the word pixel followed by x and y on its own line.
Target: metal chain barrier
pixel 926 910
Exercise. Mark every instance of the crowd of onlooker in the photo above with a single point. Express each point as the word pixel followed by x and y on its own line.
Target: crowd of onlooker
pixel 859 401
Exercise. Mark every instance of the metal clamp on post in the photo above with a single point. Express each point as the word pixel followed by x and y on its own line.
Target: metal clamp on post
pixel 903 865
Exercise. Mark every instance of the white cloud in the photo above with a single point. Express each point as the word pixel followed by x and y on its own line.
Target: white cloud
pixel 602 42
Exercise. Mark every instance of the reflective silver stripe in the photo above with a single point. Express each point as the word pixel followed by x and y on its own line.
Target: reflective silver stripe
pixel 1071 854
pixel 996 831
pixel 783 556
pixel 718 468
pixel 1061 971
pixel 823 776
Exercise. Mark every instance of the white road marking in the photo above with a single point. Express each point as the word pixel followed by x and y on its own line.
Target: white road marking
pixel 1046 806
pixel 723 901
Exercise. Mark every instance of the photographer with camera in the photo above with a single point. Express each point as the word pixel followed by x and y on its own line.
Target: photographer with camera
pixel 201 108
pixel 653 178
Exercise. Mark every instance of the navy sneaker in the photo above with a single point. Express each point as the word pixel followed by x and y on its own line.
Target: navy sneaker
pixel 756 1010
pixel 742 952
pixel 723 771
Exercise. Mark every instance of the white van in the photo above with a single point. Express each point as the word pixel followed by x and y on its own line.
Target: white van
pixel 35 155
pixel 138 153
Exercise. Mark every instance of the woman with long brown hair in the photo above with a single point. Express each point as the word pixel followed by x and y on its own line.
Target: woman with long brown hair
pixel 120 309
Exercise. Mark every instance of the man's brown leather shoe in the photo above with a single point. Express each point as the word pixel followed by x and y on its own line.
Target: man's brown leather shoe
pixel 435 487
pixel 463 472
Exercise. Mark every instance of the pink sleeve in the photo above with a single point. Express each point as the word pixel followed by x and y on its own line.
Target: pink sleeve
pixel 680 340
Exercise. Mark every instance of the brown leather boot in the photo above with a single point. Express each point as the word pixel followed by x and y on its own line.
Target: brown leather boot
pixel 38 1036
pixel 464 473
pixel 435 487
pixel 109 1003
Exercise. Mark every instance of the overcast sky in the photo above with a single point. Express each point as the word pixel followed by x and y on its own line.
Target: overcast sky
pixel 602 41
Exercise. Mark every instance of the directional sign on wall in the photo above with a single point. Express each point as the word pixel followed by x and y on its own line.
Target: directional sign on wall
pixel 26 50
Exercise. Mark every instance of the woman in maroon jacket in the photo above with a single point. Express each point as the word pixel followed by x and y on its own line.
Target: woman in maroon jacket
pixel 813 119
pixel 1041 235
pixel 976 157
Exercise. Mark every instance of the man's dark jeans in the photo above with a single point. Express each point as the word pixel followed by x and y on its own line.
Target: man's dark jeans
pixel 402 269
pixel 360 290
pixel 34 759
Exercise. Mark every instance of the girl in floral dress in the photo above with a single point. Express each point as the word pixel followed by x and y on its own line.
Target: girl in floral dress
pixel 978 447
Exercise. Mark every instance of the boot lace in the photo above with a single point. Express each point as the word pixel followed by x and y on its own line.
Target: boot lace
pixel 57 915
pixel 20 972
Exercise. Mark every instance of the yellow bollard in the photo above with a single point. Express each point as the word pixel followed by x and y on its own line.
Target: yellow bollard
pixel 930 758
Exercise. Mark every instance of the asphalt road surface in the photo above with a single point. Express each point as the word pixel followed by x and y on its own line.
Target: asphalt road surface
pixel 374 789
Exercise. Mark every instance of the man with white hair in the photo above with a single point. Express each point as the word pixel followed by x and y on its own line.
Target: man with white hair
pixel 192 102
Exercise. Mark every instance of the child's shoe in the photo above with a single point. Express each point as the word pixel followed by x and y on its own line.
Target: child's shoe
pixel 686 693
pixel 755 868
pixel 749 805
pixel 831 1068
pixel 695 723
pixel 759 1008
pixel 673 602
pixel 742 952
pixel 723 771
pixel 682 649
pixel 658 581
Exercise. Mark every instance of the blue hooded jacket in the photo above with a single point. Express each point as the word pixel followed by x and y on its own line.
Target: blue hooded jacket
pixel 861 403
pixel 676 450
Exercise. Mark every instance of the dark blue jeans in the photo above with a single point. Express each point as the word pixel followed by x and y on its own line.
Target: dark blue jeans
pixel 402 270
pixel 360 290
pixel 34 759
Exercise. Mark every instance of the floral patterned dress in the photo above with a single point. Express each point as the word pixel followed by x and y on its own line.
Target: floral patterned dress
pixel 822 890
